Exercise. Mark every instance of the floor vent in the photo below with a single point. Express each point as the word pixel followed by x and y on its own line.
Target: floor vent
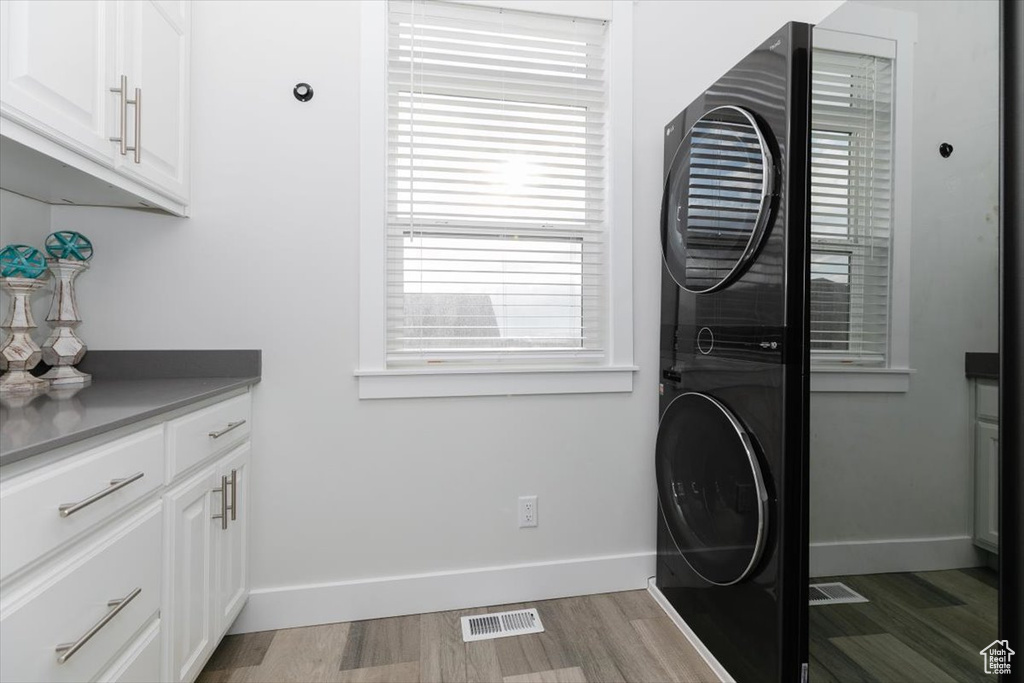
pixel 833 594
pixel 501 625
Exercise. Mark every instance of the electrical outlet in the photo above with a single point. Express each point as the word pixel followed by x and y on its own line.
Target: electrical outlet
pixel 527 511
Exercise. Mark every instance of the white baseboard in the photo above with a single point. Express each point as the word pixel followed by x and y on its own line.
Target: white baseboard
pixel 896 555
pixel 306 605
pixel 698 645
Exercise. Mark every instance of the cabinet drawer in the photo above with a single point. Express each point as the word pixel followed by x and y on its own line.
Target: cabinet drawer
pixel 987 404
pixel 64 607
pixel 141 663
pixel 99 483
pixel 196 436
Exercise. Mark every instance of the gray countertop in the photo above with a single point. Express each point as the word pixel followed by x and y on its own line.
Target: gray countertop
pixel 35 424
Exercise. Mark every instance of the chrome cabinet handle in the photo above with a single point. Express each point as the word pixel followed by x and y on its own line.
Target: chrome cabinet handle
pixel 123 107
pixel 234 493
pixel 223 491
pixel 115 485
pixel 231 425
pixel 138 126
pixel 66 650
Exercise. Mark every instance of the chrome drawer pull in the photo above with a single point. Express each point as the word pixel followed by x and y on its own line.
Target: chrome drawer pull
pixel 138 125
pixel 66 650
pixel 231 425
pixel 122 138
pixel 115 485
pixel 223 491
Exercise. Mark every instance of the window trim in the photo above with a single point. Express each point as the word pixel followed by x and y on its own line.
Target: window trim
pixel 888 33
pixel 615 374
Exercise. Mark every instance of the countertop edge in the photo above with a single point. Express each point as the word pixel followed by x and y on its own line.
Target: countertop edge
pixel 19 454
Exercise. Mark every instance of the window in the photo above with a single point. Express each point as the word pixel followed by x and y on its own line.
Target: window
pixel 496 185
pixel 851 208
pixel 500 228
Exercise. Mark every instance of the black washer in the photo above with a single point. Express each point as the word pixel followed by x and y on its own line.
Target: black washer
pixel 710 489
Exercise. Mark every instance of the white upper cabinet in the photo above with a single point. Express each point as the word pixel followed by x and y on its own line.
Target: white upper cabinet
pixel 60 115
pixel 156 63
pixel 56 63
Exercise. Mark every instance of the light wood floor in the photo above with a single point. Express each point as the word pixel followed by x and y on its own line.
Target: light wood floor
pixel 611 638
pixel 929 626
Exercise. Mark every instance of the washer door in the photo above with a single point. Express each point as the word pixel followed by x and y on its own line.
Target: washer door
pixel 710 489
pixel 718 199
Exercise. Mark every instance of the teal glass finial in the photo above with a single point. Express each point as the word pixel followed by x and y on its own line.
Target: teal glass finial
pixel 21 260
pixel 68 244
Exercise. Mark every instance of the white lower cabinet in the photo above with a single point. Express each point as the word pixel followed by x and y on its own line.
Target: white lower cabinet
pixel 986 464
pixel 208 553
pixel 143 582
pixel 190 554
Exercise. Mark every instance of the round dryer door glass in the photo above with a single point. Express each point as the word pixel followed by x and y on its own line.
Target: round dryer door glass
pixel 717 201
pixel 710 489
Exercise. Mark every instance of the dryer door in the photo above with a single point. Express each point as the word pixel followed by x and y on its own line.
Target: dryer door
pixel 710 489
pixel 718 199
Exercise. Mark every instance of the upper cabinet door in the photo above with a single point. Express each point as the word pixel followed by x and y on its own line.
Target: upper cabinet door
pixel 156 61
pixel 56 68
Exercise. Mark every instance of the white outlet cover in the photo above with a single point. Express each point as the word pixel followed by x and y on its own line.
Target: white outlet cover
pixel 527 511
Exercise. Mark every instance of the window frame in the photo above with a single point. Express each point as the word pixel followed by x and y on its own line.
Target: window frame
pixel 892 36
pixel 615 372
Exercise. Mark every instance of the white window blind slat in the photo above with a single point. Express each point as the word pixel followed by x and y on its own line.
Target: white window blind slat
pixel 851 208
pixel 496 189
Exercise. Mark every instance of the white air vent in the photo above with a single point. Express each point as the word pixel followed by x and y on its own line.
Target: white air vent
pixel 833 594
pixel 500 625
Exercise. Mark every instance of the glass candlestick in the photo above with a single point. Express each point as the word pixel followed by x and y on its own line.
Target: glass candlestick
pixel 63 349
pixel 19 353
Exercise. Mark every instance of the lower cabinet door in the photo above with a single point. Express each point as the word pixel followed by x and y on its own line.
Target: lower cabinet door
pixel 191 622
pixel 986 485
pixel 233 564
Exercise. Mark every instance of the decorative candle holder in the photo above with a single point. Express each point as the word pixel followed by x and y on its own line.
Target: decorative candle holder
pixel 19 352
pixel 63 349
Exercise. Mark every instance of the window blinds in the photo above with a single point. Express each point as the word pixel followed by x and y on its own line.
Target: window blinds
pixel 851 207
pixel 496 181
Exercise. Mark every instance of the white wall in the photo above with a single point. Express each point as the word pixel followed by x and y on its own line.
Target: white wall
pixel 345 490
pixel 897 466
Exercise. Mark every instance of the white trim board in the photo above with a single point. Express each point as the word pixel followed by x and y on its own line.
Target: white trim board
pixel 699 646
pixel 895 555
pixel 325 603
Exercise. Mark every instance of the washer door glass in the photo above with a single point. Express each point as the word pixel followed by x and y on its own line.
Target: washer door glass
pixel 717 200
pixel 710 489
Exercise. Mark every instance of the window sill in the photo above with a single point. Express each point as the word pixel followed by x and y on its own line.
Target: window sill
pixel 861 380
pixel 441 382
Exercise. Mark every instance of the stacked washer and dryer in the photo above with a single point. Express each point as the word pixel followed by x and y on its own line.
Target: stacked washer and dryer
pixel 732 441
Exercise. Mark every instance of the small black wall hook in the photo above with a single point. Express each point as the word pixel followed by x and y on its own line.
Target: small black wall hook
pixel 303 92
pixel 945 149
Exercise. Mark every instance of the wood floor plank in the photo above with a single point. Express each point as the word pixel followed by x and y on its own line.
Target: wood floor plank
pixel 969 589
pixel 482 657
pixel 906 588
pixel 989 577
pixel 637 605
pixel 380 642
pixel 442 652
pixel 404 672
pixel 576 623
pixel 302 655
pixel 630 655
pixel 886 658
pixel 675 654
pixel 545 651
pixel 569 675
pixel 246 649
pixel 859 619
